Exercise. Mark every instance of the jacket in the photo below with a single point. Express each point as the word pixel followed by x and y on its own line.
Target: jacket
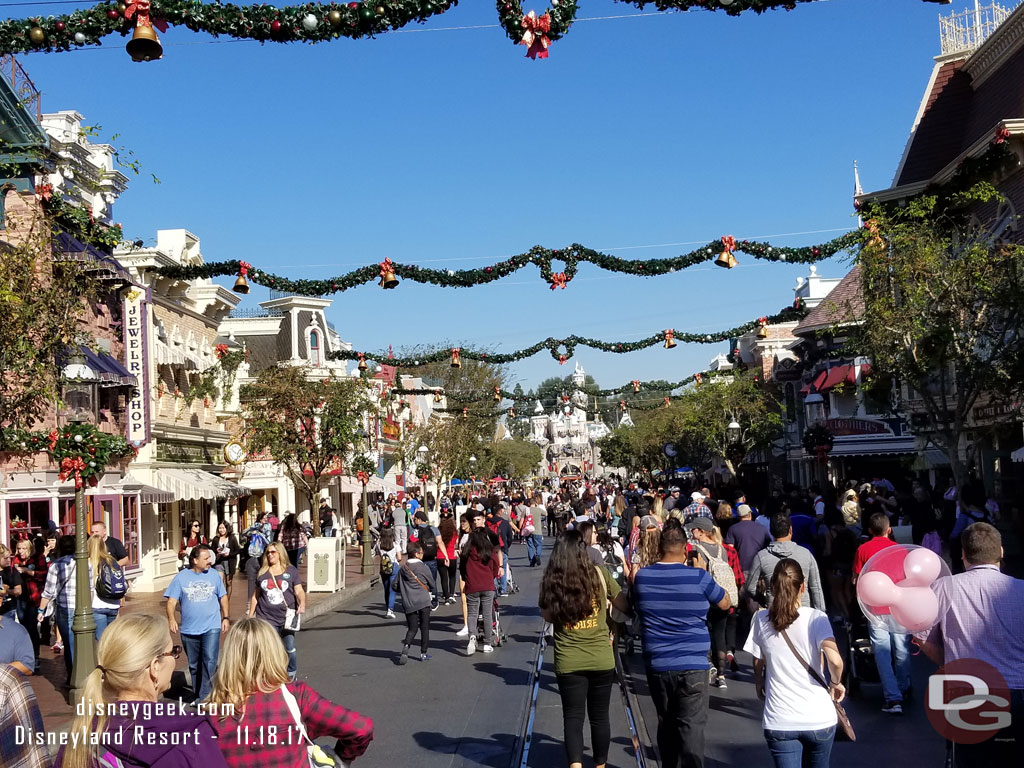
pixel 414 582
pixel 766 560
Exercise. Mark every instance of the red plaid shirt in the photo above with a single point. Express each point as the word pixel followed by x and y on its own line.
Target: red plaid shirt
pixel 267 713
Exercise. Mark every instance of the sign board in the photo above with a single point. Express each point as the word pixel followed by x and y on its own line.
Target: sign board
pixel 993 411
pixel 855 426
pixel 135 327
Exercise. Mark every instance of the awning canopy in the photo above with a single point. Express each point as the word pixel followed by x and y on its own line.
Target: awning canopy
pixel 187 484
pixel 148 494
pixel 109 371
pixel 105 267
pixel 833 377
pixel 376 484
pixel 1018 456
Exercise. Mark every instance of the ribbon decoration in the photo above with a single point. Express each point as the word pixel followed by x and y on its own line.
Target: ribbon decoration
pixel 52 437
pixel 72 466
pixel 562 359
pixel 535 37
pixel 362 477
pixel 511 413
pixel 386 266
pixel 497 395
pixel 558 280
pixel 142 7
pixel 876 236
pixel 762 321
pixel 243 268
pixel 666 402
pixel 45 191
pixel 622 405
pixel 465 413
pixel 698 378
pixel 1001 135
pixel 221 350
pixel 729 243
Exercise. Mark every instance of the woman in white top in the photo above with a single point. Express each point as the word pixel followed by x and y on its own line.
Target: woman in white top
pixel 104 611
pixel 799 719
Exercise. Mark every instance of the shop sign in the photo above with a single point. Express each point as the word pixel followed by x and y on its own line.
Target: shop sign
pixel 184 452
pixel 848 427
pixel 135 361
pixel 390 430
pixel 993 411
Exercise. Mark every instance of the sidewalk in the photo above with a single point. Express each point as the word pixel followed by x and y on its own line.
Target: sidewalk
pixel 48 682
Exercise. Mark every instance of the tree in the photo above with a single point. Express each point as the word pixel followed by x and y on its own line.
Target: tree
pixel 515 459
pixel 307 426
pixel 943 309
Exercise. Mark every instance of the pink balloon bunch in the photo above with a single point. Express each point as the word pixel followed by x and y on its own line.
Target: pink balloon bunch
pixel 911 602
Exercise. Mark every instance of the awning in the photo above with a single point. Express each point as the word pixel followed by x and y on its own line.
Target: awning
pixel 380 484
pixel 105 266
pixel 187 484
pixel 840 374
pixel 1018 456
pixel 147 493
pixel 109 372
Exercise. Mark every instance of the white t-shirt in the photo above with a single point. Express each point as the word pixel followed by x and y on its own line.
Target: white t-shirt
pixel 794 701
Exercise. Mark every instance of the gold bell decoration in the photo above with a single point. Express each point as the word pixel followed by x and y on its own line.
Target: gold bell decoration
pixel 497 395
pixel 465 413
pixel 670 338
pixel 456 357
pixel 667 402
pixel 512 412
pixel 762 331
pixel 241 284
pixel 144 45
pixel 636 385
pixel 622 405
pixel 725 258
pixel 437 395
pixel 387 274
pixel 362 362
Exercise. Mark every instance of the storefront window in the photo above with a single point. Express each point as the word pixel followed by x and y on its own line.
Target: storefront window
pixel 130 518
pixel 27 518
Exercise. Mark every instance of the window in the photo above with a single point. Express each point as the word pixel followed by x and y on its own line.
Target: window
pixel 314 348
pixel 27 518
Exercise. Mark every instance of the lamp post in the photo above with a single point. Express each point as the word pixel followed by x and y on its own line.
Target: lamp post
pixel 733 432
pixel 367 538
pixel 78 396
pixel 422 453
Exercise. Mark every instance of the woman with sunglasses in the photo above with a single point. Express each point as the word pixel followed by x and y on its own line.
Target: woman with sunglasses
pixel 278 591
pixel 193 538
pixel 136 659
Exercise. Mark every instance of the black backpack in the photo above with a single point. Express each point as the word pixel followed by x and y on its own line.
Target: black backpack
pixel 111 583
pixel 428 540
pixel 615 566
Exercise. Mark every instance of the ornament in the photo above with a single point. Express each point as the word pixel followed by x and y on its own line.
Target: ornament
pixel 512 412
pixel 310 22
pixel 78 438
pixel 113 14
pixel 437 396
pixel 698 378
pixel 79 38
pixel 59 26
pixel 381 10
pixel 362 362
pixel 37 36
pixel 387 275
pixel 670 340
pixel 666 402
pixel 725 258
pixel 365 13
pixel 275 26
pixel 456 358
pixel 497 395
pixel 636 385
pixel 144 45
pixel 762 331
pixel 121 8
pixel 465 413
pixel 241 284
pixel 622 405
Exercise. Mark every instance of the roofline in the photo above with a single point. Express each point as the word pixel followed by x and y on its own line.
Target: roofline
pixel 1003 42
pixel 1015 128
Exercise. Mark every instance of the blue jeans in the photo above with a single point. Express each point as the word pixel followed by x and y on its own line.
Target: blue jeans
pixel 104 618
pixel 390 588
pixel 533 546
pixel 891 650
pixel 800 749
pixel 504 573
pixel 62 620
pixel 288 638
pixel 202 651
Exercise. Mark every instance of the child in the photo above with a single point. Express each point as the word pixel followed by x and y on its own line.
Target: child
pixel 480 569
pixel 413 578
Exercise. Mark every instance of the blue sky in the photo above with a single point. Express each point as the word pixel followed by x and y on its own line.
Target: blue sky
pixel 639 136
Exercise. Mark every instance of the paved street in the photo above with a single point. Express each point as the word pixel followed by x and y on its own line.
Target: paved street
pixel 456 711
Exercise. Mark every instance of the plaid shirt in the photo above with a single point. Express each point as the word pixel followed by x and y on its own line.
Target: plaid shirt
pixel 697 509
pixel 321 717
pixel 18 707
pixel 60 584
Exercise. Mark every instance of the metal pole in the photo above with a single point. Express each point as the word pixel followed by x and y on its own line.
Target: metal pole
pixel 84 625
pixel 367 539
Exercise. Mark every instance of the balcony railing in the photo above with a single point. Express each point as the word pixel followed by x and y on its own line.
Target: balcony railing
pixel 967 30
pixel 23 85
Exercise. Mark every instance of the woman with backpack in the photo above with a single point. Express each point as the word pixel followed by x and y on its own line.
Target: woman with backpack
pixel 448 559
pixel 257 537
pixel 108 584
pixel 714 558
pixel 390 555
pixel 226 545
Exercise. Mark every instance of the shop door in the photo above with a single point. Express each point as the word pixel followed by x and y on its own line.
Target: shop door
pixel 107 510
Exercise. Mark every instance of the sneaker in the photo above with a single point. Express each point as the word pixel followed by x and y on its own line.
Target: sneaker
pixel 462 632
pixel 57 648
pixel 390 614
pixel 405 655
pixel 720 682
pixel 471 647
pixel 893 708
pixel 451 601
pixel 488 649
pixel 712 676
pixel 731 658
pixel 424 657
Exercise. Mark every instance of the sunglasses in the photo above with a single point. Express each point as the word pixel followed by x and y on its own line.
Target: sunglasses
pixel 175 652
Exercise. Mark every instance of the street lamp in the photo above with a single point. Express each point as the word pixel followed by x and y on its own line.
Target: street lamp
pixel 79 385
pixel 421 464
pixel 733 432
pixel 367 539
pixel 814 408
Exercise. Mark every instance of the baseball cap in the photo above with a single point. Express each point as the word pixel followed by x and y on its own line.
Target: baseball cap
pixel 743 510
pixel 478 507
pixel 674 489
pixel 648 521
pixel 697 496
pixel 701 523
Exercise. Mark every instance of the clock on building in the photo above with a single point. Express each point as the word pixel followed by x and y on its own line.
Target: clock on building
pixel 234 452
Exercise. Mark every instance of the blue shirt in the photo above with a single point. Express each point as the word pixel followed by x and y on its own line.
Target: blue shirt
pixel 199 595
pixel 15 644
pixel 672 600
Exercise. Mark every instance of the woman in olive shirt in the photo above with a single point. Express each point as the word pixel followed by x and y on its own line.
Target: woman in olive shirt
pixel 574 595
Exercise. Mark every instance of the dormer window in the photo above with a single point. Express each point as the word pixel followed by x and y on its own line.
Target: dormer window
pixel 314 348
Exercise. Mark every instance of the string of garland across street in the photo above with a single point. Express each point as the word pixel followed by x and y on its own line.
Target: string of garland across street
pixel 562 349
pixel 306 22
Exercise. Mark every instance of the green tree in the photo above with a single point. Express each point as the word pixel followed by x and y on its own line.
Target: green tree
pixel 515 459
pixel 307 425
pixel 943 309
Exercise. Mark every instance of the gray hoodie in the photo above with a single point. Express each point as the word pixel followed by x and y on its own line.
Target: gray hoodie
pixel 766 560
pixel 414 585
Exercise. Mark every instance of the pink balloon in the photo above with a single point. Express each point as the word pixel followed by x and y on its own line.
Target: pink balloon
pixel 876 589
pixel 922 567
pixel 916 609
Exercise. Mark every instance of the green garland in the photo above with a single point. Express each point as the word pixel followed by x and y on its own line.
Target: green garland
pixel 81 452
pixel 542 257
pixel 562 349
pixel 308 22
pixel 79 223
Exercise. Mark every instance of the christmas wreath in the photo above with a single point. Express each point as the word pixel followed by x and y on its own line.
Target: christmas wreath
pixel 818 440
pixel 80 451
pixel 536 32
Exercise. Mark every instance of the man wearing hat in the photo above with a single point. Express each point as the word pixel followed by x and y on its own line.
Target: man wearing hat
pixel 697 508
pixel 673 499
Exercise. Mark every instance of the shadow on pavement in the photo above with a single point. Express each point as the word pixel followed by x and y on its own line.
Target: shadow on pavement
pixel 493 752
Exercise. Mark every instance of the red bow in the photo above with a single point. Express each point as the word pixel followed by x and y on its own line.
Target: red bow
pixel 221 350
pixel 1001 135
pixel 622 405
pixel 669 334
pixel 558 280
pixel 362 477
pixel 636 385
pixel 535 36
pixel 45 191
pixel 69 466
pixel 762 320
pixel 697 378
pixel 243 268
pixel 424 478
pixel 53 438
pixel 386 266
pixel 562 359
pixel 143 20
pixel 729 243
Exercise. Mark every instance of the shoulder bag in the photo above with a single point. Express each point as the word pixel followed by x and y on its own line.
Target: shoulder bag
pixel 292 618
pixel 319 757
pixel 844 731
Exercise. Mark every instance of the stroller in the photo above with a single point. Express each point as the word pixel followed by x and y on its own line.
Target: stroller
pixel 512 586
pixel 498 638
pixel 855 645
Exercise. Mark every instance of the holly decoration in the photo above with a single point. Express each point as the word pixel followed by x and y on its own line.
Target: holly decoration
pixel 543 258
pixel 81 452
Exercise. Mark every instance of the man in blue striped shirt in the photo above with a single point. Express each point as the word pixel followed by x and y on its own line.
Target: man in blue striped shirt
pixel 672 599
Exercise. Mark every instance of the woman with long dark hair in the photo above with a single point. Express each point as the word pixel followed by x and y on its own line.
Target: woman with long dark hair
pixel 226 545
pixel 448 559
pixel 191 539
pixel 574 595
pixel 799 719
pixel 479 570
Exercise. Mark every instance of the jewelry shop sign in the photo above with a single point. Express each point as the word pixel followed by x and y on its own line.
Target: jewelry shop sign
pixel 135 360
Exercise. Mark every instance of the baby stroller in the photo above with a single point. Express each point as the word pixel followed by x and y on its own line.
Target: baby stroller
pixel 498 638
pixel 855 645
pixel 512 586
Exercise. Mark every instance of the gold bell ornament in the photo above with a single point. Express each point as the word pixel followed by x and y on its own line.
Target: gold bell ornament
pixel 456 358
pixel 670 339
pixel 145 46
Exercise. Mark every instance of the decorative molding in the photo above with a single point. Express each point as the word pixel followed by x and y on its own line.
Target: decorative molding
pixel 997 49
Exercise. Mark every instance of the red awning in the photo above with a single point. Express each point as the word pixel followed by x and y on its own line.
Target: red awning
pixel 840 374
pixel 815 386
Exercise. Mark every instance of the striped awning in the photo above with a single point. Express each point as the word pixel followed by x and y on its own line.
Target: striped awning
pixel 189 484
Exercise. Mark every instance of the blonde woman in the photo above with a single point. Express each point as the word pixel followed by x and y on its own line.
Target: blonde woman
pixel 658 508
pixel 278 590
pixel 252 681
pixel 103 610
pixel 648 546
pixel 136 660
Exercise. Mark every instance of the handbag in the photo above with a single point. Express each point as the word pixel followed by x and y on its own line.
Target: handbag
pixel 292 618
pixel 319 757
pixel 845 730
